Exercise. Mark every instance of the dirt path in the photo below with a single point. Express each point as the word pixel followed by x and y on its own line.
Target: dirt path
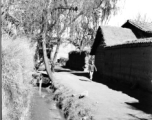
pixel 106 103
pixel 43 107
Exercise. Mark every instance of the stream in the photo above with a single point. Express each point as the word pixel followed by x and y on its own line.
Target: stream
pixel 43 107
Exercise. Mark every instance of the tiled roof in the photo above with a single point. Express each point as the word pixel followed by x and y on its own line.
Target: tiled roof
pixel 144 26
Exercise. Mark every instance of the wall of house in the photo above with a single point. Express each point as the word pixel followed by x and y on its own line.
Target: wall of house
pixel 128 63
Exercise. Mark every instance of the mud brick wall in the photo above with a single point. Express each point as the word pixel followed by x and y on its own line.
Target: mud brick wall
pixel 128 63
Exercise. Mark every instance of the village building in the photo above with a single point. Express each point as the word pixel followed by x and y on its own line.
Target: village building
pixel 119 55
pixel 140 29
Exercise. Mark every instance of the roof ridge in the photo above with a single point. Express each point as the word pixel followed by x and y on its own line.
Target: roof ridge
pixel 138 26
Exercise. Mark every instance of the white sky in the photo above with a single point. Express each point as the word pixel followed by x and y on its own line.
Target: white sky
pixel 130 10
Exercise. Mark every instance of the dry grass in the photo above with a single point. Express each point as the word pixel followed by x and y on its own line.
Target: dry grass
pixel 72 107
pixel 17 67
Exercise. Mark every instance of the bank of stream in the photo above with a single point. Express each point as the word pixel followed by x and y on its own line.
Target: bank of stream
pixel 43 107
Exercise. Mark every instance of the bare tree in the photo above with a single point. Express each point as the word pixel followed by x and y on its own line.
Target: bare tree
pixel 141 18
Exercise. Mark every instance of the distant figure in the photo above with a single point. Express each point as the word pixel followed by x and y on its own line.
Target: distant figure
pixel 91 68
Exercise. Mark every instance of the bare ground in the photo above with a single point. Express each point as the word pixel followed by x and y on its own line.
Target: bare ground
pixel 79 98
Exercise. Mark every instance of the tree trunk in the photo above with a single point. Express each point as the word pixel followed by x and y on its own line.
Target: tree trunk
pixel 56 52
pixel 47 66
pixel 51 53
pixel 44 34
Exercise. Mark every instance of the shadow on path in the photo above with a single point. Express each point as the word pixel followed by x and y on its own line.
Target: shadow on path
pixel 85 74
pixel 144 97
pixel 137 118
pixel 62 70
pixel 75 72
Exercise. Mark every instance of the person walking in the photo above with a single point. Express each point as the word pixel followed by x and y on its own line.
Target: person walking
pixel 91 67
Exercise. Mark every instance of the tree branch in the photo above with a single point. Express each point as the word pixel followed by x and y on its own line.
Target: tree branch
pixel 67 25
pixel 59 40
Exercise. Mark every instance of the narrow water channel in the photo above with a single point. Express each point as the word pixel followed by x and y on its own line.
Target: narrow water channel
pixel 43 107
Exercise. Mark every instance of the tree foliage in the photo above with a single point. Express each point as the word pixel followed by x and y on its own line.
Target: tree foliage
pixel 60 12
pixel 50 18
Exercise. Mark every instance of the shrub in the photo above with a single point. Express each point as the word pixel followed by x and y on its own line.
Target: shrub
pixel 17 68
